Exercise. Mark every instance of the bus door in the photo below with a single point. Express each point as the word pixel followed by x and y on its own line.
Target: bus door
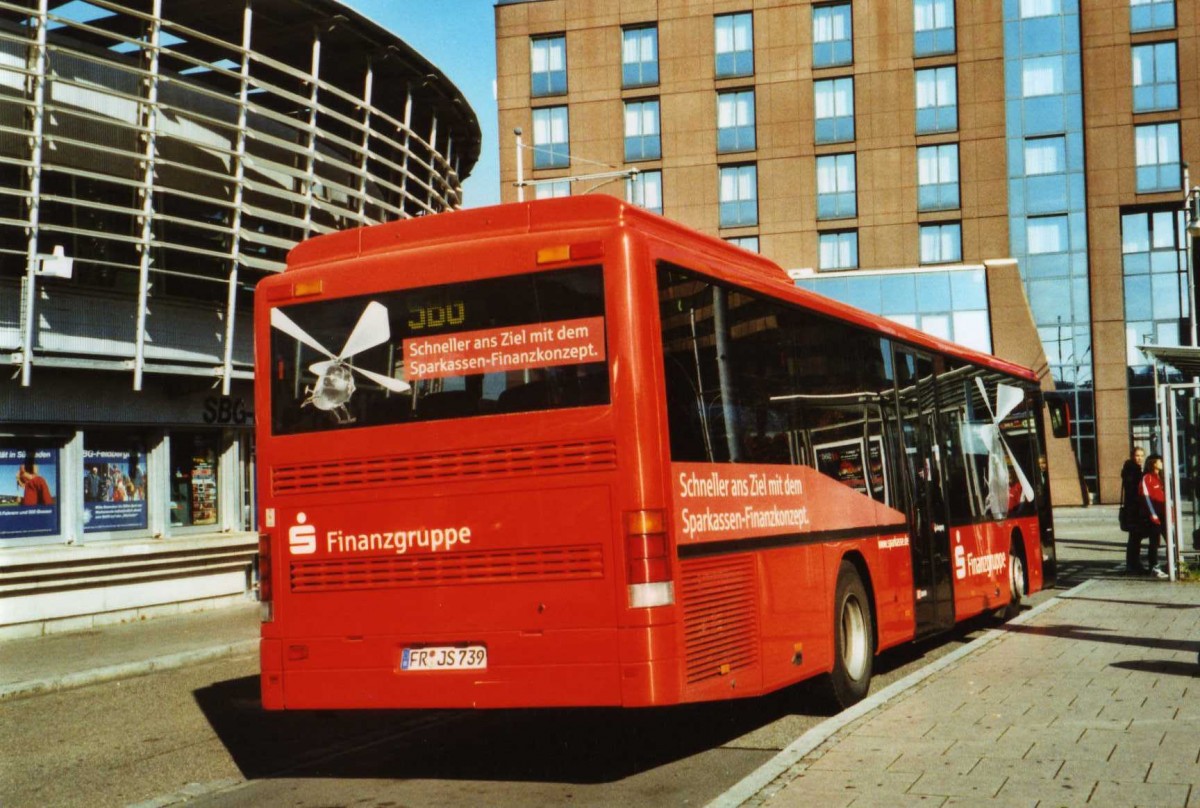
pixel 927 515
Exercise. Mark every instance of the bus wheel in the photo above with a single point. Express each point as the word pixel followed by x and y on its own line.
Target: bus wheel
pixel 853 647
pixel 1016 581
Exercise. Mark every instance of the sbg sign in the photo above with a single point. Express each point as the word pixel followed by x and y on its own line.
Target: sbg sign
pixel 226 410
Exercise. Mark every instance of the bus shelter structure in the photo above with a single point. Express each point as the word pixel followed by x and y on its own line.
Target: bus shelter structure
pixel 1177 403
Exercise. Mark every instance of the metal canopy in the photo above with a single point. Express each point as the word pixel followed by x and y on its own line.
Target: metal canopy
pixel 1185 359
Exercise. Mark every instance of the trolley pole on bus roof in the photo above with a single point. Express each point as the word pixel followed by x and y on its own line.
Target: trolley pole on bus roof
pixel 603 176
pixel 520 166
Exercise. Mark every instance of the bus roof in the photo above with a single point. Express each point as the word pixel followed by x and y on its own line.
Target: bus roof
pixel 603 211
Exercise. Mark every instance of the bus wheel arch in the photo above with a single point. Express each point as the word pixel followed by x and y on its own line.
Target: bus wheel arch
pixel 854 637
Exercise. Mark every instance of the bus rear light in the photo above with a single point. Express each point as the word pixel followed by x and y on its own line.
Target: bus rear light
pixel 263 578
pixel 644 596
pixel 647 559
pixel 570 252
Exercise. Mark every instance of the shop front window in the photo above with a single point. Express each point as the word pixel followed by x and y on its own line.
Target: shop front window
pixel 114 484
pixel 29 485
pixel 194 500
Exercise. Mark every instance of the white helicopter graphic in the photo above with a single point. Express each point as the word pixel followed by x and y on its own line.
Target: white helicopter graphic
pixel 335 375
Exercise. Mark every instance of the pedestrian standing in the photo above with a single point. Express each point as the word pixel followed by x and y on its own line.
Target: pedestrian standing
pixel 1131 510
pixel 1154 509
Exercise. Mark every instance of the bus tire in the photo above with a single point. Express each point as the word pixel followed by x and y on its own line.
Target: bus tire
pixel 1016 580
pixel 853 639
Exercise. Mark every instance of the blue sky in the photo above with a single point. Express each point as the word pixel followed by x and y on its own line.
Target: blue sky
pixel 459 37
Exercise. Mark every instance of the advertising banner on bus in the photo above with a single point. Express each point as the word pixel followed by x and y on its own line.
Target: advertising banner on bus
pixel 515 347
pixel 724 501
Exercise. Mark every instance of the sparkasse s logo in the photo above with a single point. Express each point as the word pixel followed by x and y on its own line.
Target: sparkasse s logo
pixel 302 538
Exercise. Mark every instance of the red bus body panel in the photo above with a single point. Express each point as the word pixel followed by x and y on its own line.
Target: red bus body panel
pixel 538 503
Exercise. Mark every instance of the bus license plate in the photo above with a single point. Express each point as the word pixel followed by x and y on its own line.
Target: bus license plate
pixel 444 658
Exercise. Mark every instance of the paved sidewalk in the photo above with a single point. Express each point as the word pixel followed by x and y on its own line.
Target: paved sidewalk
pixel 1094 699
pixel 57 661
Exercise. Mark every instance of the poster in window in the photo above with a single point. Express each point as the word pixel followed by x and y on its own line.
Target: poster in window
pixel 114 491
pixel 28 493
pixel 204 491
pixel 843 461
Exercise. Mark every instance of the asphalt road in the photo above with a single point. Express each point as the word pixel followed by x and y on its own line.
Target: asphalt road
pixel 197 734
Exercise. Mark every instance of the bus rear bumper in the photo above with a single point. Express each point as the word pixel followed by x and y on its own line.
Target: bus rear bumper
pixel 576 668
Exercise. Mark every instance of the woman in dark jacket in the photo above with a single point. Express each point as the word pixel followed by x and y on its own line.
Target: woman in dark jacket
pixel 1131 506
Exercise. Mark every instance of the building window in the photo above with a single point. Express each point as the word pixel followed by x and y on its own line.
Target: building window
pixel 639 57
pixel 1151 15
pixel 836 187
pixel 114 483
pixel 1154 261
pixel 1046 174
pixel 1040 8
pixel 1048 247
pixel 937 177
pixel 550 138
pixel 834 101
pixel 838 250
pixel 548 66
pixel 745 242
pixel 941 243
pixel 734 45
pixel 735 121
pixel 1157 157
pixel 933 27
pixel 1042 75
pixel 1155 77
pixel 644 189
pixel 552 190
pixel 642 136
pixel 833 37
pixel 937 100
pixel 194 499
pixel 739 196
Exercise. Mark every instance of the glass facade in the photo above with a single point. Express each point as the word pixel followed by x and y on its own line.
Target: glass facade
pixel 833 101
pixel 735 121
pixel 1154 264
pixel 947 303
pixel 639 57
pixel 1047 208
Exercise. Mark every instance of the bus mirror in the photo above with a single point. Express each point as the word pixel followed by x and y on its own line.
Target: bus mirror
pixel 1060 416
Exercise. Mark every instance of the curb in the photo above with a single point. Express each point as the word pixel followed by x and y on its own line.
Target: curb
pixel 15 690
pixel 762 777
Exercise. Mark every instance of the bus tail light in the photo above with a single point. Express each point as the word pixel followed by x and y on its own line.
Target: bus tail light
pixel 263 576
pixel 648 564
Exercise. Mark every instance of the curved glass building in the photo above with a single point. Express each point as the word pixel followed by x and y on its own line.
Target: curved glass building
pixel 157 158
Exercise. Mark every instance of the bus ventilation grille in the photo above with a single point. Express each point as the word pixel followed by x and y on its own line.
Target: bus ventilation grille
pixel 472 464
pixel 495 567
pixel 720 621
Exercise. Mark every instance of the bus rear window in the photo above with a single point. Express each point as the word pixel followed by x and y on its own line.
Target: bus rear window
pixel 503 345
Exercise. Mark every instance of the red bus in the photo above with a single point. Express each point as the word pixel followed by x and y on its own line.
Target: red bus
pixel 568 452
